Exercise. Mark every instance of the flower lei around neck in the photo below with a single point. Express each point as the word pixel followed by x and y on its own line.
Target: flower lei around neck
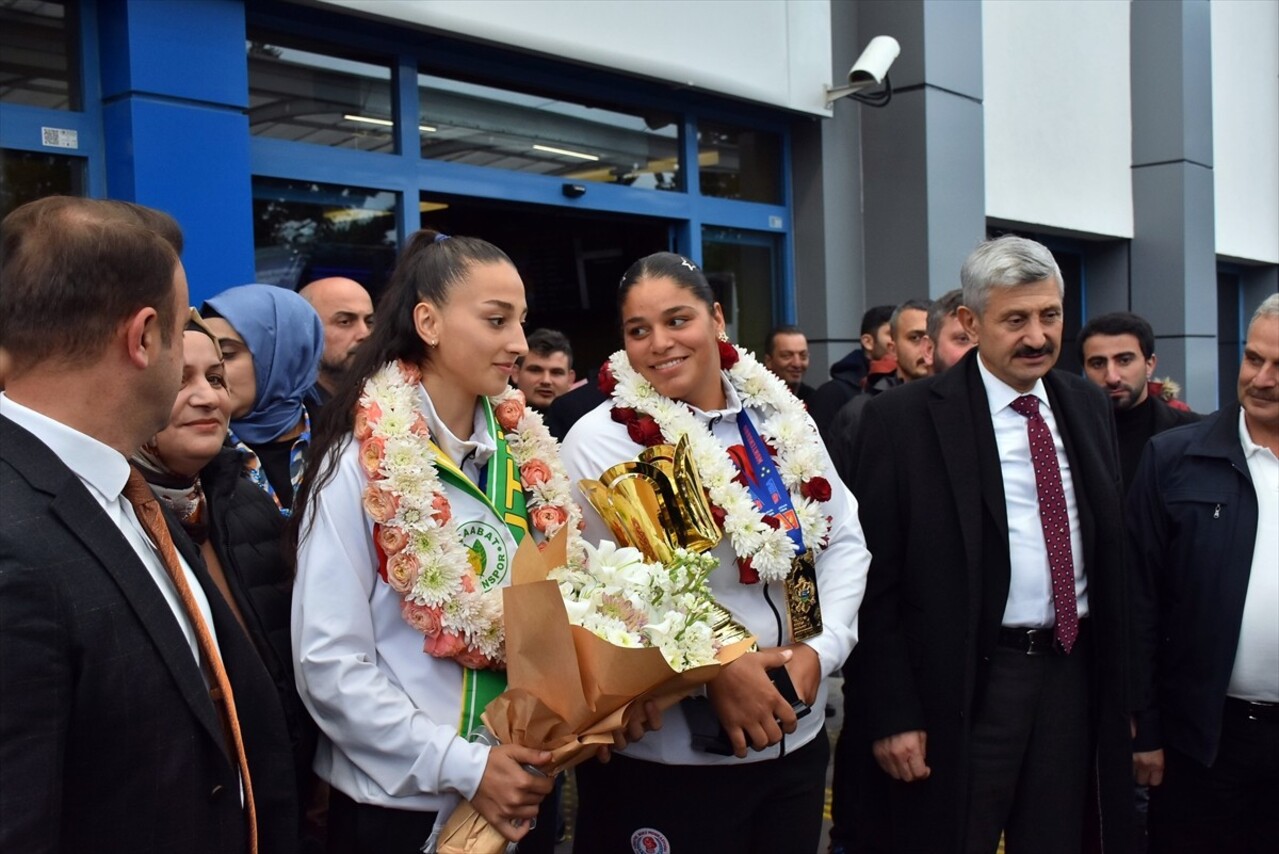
pixel 420 553
pixel 764 550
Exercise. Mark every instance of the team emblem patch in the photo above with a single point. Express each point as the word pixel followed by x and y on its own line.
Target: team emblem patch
pixel 487 552
pixel 646 840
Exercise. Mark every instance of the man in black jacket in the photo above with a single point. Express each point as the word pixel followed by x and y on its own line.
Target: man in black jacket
pixel 849 373
pixel 1204 524
pixel 1118 354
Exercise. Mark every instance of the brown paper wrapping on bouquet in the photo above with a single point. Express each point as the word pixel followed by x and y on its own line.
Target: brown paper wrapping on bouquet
pixel 568 690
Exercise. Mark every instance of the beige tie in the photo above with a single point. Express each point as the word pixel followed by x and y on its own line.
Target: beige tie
pixel 144 502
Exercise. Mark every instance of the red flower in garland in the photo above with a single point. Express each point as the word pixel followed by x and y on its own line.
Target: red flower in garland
pixel 771 521
pixel 746 573
pixel 816 489
pixel 644 431
pixel 624 414
pixel 727 355
pixel 607 382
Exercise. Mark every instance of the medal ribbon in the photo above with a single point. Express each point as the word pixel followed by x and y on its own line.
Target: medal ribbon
pixel 764 483
pixel 504 495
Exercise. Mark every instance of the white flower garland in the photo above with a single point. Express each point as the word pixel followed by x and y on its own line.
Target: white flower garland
pixel 425 560
pixel 798 458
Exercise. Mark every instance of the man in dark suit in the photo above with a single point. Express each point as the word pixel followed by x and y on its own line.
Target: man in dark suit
pixel 993 653
pixel 1204 522
pixel 112 738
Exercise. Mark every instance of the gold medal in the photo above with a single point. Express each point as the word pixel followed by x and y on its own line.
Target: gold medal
pixel 803 607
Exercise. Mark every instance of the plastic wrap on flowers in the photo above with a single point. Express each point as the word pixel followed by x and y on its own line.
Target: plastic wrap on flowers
pixel 568 688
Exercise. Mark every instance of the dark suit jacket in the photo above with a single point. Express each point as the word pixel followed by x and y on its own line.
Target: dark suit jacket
pixel 938 535
pixel 1192 518
pixel 109 741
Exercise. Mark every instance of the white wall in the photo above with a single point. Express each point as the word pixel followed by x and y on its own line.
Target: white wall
pixel 1245 127
pixel 1058 119
pixel 775 52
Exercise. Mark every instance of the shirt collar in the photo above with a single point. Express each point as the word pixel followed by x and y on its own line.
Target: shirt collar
pixel 1245 439
pixel 732 402
pixel 1000 394
pixel 100 466
pixel 479 447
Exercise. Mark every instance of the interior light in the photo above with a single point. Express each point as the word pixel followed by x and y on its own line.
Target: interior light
pixel 369 120
pixel 565 152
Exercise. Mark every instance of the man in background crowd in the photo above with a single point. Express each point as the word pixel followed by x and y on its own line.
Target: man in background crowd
pixel 908 331
pixel 1203 520
pixel 346 310
pixel 546 371
pixel 848 375
pixel 786 354
pixel 950 339
pixel 1118 354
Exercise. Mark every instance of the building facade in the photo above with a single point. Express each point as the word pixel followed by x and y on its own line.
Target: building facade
pixel 1139 140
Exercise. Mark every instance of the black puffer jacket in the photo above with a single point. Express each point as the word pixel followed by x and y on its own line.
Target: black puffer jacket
pixel 246 532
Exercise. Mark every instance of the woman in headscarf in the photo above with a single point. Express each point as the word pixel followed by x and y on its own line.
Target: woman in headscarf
pixel 272 340
pixel 237 528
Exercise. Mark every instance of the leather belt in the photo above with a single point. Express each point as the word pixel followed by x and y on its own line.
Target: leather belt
pixel 1032 641
pixel 1254 711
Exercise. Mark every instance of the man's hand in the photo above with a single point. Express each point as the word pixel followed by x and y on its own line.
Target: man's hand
pixel 1148 767
pixel 508 796
pixel 747 703
pixel 902 755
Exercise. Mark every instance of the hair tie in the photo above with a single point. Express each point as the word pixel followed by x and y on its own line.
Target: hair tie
pixel 440 238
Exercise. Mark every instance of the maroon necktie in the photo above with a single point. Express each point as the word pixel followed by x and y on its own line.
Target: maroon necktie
pixel 1054 519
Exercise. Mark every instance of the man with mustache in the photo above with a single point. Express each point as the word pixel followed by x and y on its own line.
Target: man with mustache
pixel 993 661
pixel 786 354
pixel 1203 522
pixel 1118 354
pixel 950 340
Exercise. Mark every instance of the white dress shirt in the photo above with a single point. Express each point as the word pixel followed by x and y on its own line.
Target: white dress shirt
pixel 597 442
pixel 104 471
pixel 1256 672
pixel 389 714
pixel 1030 597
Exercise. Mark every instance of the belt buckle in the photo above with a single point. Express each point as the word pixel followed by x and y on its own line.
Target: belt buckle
pixel 1035 643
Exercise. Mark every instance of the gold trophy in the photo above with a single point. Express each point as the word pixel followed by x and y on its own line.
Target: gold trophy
pixel 656 504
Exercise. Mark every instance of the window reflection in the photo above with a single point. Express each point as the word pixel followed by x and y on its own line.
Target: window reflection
pixel 29 175
pixel 482 125
pixel 741 267
pixel 39 52
pixel 303 231
pixel 739 163
pixel 319 98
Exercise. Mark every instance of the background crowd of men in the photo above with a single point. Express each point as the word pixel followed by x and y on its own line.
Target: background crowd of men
pixel 1074 584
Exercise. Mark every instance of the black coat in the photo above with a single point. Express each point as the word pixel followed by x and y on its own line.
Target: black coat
pixel 109 741
pixel 246 531
pixel 936 525
pixel 1192 520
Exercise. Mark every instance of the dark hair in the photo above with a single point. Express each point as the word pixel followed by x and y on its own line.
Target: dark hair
pixel 943 307
pixel 909 305
pixel 545 342
pixel 788 329
pixel 876 317
pixel 72 270
pixel 1120 323
pixel 428 269
pixel 669 265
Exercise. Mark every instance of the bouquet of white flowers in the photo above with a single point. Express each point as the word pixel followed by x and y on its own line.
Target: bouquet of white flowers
pixel 628 602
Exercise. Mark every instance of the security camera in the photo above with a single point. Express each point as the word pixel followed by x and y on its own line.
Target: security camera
pixel 872 66
pixel 870 69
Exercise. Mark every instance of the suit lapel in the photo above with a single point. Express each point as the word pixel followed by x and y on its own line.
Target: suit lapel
pixel 85 520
